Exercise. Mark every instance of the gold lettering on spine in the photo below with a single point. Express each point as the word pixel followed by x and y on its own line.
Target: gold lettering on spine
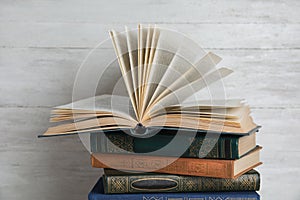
pixel 199 168
pixel 148 164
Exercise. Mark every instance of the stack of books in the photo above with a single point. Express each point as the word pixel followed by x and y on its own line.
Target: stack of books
pixel 163 141
pixel 225 173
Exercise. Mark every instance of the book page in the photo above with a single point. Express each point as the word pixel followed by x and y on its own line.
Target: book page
pixel 121 105
pixel 88 124
pixel 181 73
pixel 152 46
pixel 216 103
pixel 205 111
pixel 121 49
pixel 233 125
pixel 184 121
pixel 142 37
pixel 188 90
pixel 152 50
pixel 132 45
pixel 149 31
pixel 147 53
pixel 103 112
pixel 162 58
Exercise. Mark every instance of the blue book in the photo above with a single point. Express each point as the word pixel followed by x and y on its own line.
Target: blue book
pixel 97 193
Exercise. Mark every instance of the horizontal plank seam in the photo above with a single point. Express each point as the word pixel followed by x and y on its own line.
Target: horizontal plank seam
pixel 252 107
pixel 207 48
pixel 152 22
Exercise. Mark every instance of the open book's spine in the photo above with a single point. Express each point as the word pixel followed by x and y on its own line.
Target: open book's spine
pixel 225 148
pixel 146 183
pixel 182 166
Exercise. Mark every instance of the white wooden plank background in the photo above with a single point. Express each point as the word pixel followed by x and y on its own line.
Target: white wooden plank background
pixel 43 42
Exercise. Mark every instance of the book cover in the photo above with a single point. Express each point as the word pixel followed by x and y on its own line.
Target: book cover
pixel 97 193
pixel 117 182
pixel 184 166
pixel 227 147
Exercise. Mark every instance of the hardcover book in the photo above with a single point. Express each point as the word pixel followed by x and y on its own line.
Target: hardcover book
pixel 227 147
pixel 97 193
pixel 162 76
pixel 183 166
pixel 118 182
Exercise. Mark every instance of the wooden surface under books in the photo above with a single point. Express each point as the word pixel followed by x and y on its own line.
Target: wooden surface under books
pixel 43 42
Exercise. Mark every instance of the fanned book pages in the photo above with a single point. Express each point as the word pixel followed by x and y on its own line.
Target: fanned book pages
pixel 162 76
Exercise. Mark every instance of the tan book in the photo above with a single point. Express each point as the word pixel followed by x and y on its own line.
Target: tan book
pixel 182 166
pixel 162 73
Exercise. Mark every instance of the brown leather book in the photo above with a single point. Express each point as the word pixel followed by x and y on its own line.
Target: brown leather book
pixel 182 166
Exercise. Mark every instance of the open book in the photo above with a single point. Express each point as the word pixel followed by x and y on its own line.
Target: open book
pixel 159 74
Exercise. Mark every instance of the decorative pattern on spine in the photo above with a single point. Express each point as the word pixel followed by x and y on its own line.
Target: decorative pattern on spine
pixel 151 182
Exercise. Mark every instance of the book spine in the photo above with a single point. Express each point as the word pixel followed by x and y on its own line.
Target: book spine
pixel 225 148
pixel 182 166
pixel 97 194
pixel 177 196
pixel 171 183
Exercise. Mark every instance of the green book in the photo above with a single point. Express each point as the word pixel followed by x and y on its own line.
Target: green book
pixel 116 182
pixel 227 146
